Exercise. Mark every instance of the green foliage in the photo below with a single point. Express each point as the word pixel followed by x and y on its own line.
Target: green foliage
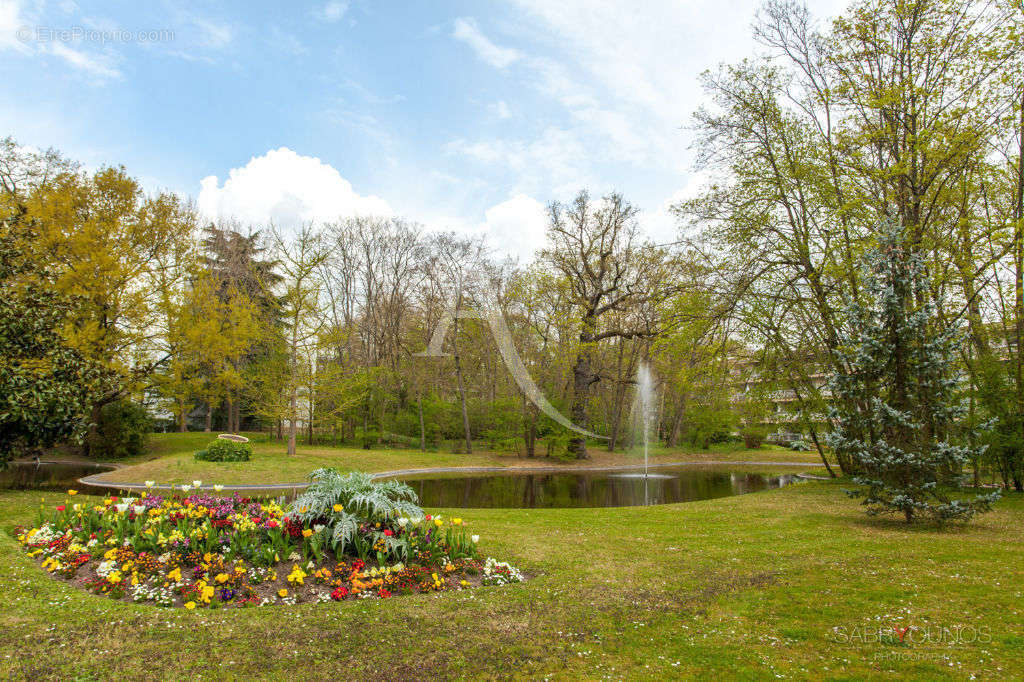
pixel 222 450
pixel 344 502
pixel 47 388
pixel 753 437
pixel 121 431
pixel 368 438
pixel 708 424
pixel 897 366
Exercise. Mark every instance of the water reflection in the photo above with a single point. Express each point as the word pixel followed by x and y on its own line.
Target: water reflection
pixel 50 475
pixel 589 489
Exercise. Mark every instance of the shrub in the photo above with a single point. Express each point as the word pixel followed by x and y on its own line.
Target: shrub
pixel 367 438
pixel 753 438
pixel 221 450
pixel 799 445
pixel 121 431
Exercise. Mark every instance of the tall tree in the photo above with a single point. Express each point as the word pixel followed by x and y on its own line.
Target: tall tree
pixel 596 247
pixel 900 374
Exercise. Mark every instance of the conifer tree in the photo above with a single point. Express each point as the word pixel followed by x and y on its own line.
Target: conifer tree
pixel 897 370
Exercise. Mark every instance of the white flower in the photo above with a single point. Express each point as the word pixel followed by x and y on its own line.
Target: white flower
pixel 196 484
pixel 318 527
pixel 218 487
pixel 150 484
pixel 121 508
pixel 474 538
pixel 139 509
pixel 185 488
pixel 77 507
pixel 402 522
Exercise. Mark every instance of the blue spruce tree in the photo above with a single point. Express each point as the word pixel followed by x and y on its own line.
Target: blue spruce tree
pixel 900 416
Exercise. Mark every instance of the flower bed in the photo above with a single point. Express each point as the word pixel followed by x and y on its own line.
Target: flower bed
pixel 348 537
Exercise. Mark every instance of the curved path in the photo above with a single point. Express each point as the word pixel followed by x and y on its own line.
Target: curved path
pixel 295 487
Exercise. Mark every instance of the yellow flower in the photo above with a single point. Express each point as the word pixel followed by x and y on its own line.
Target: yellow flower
pixel 207 593
pixel 72 492
pixel 338 507
pixel 306 532
pixel 438 522
pixel 223 577
pixel 190 605
pixel 456 522
pixel 282 592
pixel 464 583
pixel 303 510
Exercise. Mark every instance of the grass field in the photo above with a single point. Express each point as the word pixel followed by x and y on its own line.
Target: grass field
pixel 169 460
pixel 789 583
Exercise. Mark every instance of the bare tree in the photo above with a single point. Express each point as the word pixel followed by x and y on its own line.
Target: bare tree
pixel 609 270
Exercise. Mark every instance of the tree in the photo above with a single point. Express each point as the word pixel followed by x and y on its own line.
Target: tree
pixel 47 387
pixel 900 376
pixel 300 261
pixel 609 270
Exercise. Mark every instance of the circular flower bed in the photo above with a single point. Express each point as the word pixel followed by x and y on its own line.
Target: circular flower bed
pixel 347 537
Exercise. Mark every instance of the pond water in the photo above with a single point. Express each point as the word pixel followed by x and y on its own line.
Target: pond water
pixel 50 475
pixel 591 488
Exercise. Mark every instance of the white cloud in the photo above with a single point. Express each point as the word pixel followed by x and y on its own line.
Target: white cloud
pixel 499 57
pixel 10 23
pixel 100 66
pixel 213 34
pixel 286 189
pixel 501 109
pixel 19 33
pixel 335 10
pixel 660 224
pixel 553 164
pixel 516 227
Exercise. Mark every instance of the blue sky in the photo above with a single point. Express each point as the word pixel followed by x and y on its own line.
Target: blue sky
pixel 460 115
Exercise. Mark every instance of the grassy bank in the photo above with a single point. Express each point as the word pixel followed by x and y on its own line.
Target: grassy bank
pixel 169 460
pixel 794 582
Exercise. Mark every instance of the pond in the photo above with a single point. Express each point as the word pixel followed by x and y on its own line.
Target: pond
pixel 591 488
pixel 50 475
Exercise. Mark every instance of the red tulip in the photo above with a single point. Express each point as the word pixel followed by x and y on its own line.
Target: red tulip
pixel 60 507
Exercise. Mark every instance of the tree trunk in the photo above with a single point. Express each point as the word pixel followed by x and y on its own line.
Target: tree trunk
pixel 229 412
pixel 821 452
pixel 462 389
pixel 582 379
pixel 462 399
pixel 677 422
pixel 209 418
pixel 293 410
pixel 423 428
pixel 529 430
pixel 311 413
pixel 182 417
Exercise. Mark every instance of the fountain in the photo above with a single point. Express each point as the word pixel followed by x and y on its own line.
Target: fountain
pixel 644 415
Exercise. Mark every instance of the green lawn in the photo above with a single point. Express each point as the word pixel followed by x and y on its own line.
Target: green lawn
pixel 789 583
pixel 169 460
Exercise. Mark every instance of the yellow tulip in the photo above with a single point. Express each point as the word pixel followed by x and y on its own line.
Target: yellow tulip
pixel 282 592
pixel 190 605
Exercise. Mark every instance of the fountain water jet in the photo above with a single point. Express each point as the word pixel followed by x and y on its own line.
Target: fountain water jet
pixel 644 414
